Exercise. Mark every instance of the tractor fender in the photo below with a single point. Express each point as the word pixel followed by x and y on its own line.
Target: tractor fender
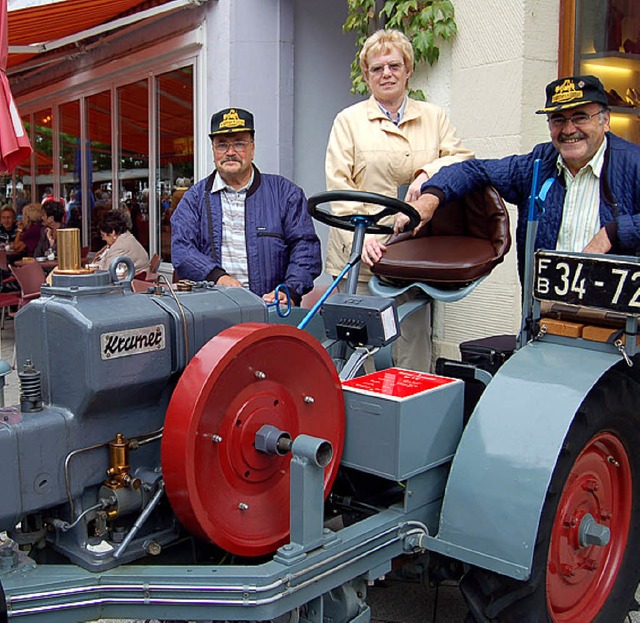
pixel 505 459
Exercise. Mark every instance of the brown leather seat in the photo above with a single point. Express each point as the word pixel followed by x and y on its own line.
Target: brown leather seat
pixel 463 241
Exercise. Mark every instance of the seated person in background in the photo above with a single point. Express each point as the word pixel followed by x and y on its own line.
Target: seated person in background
pixel 120 241
pixel 243 228
pixel 53 214
pixel 30 229
pixel 8 226
pixel 593 204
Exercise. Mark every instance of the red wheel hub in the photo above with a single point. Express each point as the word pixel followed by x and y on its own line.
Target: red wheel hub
pixel 580 577
pixel 219 485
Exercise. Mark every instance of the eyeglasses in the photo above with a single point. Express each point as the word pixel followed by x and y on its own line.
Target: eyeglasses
pixel 394 68
pixel 238 146
pixel 580 118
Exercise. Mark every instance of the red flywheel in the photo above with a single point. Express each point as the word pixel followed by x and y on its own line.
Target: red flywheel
pixel 220 487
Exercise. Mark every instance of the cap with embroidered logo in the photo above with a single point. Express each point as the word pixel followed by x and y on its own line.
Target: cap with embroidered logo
pixel 573 91
pixel 231 120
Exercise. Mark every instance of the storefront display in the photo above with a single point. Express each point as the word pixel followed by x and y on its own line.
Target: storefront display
pixel 607 44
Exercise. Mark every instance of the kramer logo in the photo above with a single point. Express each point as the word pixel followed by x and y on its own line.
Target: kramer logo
pixel 132 342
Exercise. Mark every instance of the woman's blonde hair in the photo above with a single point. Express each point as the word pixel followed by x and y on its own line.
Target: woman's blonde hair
pixel 382 42
pixel 31 213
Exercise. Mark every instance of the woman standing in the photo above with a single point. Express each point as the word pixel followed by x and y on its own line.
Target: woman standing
pixel 381 145
pixel 119 241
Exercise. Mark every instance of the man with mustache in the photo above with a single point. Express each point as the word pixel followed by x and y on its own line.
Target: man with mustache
pixel 240 227
pixel 593 204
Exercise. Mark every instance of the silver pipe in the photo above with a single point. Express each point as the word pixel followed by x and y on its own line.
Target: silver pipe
pixel 241 601
pixel 284 584
pixel 141 519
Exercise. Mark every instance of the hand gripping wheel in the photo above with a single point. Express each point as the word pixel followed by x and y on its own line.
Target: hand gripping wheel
pixel 220 487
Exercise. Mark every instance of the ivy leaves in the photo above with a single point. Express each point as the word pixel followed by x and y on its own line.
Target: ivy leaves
pixel 425 22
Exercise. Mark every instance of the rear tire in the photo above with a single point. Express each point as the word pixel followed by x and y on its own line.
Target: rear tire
pixel 597 473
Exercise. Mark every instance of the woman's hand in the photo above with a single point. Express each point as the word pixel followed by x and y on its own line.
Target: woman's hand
pixel 413 192
pixel 372 251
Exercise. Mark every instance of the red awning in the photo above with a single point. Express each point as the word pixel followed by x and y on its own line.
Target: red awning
pixel 58 20
pixel 14 142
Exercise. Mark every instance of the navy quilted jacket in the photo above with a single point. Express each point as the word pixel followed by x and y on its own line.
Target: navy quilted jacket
pixel 511 176
pixel 282 246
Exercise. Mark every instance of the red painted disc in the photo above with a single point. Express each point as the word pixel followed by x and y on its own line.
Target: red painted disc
pixel 580 578
pixel 220 487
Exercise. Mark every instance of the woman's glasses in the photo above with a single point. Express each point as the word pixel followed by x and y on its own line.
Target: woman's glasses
pixel 377 70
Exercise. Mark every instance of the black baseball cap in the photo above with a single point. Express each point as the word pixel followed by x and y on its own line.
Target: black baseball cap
pixel 573 91
pixel 231 120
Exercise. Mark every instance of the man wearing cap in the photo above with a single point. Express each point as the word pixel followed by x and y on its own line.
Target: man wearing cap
pixel 243 228
pixel 593 204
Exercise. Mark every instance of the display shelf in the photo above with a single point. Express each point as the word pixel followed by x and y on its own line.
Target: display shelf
pixel 624 110
pixel 616 60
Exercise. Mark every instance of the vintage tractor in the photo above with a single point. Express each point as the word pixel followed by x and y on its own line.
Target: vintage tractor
pixel 186 455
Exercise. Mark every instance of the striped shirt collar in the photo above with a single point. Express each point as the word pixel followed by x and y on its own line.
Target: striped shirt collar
pixel 219 184
pixel 400 110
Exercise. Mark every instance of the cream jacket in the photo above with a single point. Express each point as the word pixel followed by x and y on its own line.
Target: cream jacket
pixel 368 152
pixel 125 244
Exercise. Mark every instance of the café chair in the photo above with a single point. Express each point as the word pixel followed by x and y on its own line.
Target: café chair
pixel 7 301
pixel 154 263
pixel 30 277
pixel 4 267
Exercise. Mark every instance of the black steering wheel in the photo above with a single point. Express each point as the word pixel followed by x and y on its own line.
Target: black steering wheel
pixel 350 221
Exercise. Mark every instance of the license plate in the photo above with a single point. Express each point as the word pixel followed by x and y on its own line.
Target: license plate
pixel 611 283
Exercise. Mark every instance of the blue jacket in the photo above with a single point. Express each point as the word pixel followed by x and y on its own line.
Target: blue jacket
pixel 282 246
pixel 511 176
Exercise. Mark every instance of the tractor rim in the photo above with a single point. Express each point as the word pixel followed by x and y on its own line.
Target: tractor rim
pixel 580 578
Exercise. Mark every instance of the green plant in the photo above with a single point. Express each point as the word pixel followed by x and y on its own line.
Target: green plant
pixel 425 22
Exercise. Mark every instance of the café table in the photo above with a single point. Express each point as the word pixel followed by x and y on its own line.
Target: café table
pixel 47 265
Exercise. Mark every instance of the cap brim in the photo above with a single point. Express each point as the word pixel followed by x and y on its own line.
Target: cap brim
pixel 566 106
pixel 233 131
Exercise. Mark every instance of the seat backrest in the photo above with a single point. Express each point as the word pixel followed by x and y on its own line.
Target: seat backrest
pixel 464 240
pixel 479 214
pixel 30 278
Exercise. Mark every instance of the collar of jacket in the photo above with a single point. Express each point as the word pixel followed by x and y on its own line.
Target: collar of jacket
pixel 257 177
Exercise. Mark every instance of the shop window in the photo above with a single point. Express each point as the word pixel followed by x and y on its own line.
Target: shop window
pixel 607 44
pixel 99 154
pixel 152 123
pixel 21 177
pixel 70 161
pixel 133 170
pixel 174 97
pixel 43 149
